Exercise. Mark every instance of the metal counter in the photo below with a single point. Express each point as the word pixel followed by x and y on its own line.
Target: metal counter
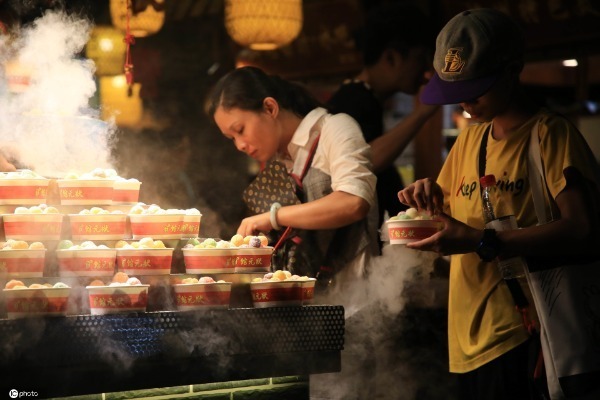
pixel 84 354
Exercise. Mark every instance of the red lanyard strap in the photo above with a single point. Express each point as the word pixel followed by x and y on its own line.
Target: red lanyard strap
pixel 311 155
pixel 298 179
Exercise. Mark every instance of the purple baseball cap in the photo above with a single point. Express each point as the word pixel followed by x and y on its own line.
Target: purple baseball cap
pixel 470 55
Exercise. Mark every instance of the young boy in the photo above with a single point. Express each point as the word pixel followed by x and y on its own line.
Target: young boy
pixel 478 58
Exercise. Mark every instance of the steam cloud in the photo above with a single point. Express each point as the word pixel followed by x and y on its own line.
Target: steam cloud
pixel 389 352
pixel 48 125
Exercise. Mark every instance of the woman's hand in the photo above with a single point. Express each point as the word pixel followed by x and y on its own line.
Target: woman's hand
pixel 255 224
pixel 424 194
pixel 454 238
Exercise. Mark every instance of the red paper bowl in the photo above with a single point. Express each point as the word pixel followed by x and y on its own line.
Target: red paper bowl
pixel 402 231
pixel 156 226
pixel 209 261
pixel 85 191
pixel 23 191
pixel 22 263
pixel 125 191
pixel 308 290
pixel 202 296
pixel 136 262
pixel 276 293
pixel 190 227
pixel 98 226
pixel 22 303
pixel 250 259
pixel 86 262
pixel 32 227
pixel 117 299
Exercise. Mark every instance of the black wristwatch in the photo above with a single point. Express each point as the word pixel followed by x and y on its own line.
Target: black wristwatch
pixel 490 245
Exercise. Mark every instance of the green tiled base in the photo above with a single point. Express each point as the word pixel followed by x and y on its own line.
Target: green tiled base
pixel 230 385
pixel 289 379
pixel 292 392
pixel 287 387
pixel 136 394
pixel 210 396
pixel 85 397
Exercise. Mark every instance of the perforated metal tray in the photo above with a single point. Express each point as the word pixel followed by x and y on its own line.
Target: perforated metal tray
pixel 118 339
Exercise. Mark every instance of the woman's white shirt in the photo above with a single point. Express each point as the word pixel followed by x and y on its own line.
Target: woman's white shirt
pixel 342 153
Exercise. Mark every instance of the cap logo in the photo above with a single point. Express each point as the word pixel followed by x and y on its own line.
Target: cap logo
pixel 453 63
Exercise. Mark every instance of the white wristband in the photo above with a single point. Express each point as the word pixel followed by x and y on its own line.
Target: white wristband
pixel 274 208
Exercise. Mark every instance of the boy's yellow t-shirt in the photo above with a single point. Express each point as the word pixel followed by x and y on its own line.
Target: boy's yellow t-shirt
pixel 482 320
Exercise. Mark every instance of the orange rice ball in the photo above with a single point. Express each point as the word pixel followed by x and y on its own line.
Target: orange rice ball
pixel 120 244
pixel 279 274
pixel 36 286
pixel 96 282
pixel 237 240
pixel 247 239
pixel 120 277
pixel 12 283
pixel 19 245
pixel 264 241
pixel 36 246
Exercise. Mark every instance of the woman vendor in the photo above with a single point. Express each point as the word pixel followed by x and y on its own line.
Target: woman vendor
pixel 269 118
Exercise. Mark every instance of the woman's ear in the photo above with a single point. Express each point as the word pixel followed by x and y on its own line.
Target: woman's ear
pixel 271 106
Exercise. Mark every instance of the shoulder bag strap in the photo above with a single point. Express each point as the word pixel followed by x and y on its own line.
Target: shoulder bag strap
pixel 513 284
pixel 483 152
pixel 307 164
pixel 537 177
pixel 311 154
pixel 298 179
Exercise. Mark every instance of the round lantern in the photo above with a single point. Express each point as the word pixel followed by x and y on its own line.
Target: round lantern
pixel 146 17
pixel 263 24
pixel 107 48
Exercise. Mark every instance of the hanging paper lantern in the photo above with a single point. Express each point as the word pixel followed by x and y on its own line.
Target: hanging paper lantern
pixel 146 16
pixel 263 24
pixel 107 48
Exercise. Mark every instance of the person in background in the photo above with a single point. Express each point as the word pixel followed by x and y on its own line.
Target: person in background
pixel 397 44
pixel 478 59
pixel 268 118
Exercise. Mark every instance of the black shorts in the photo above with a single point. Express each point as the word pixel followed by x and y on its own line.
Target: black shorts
pixel 508 377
